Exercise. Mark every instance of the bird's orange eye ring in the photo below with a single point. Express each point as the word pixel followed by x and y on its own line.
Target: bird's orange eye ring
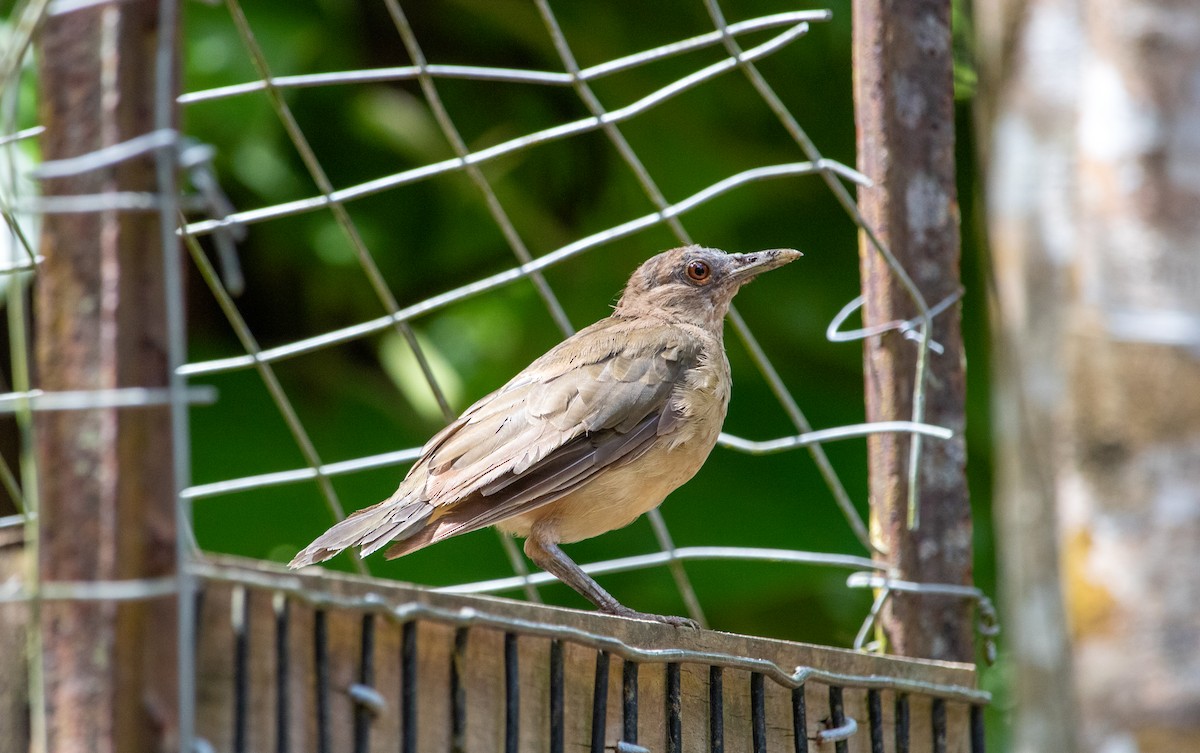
pixel 698 271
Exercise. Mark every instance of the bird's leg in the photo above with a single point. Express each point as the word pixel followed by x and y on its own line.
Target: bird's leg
pixel 546 554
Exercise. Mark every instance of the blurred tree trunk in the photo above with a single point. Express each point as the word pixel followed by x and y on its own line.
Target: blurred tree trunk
pixel 1094 214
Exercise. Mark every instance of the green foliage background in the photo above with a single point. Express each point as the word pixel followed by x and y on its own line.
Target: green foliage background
pixel 366 397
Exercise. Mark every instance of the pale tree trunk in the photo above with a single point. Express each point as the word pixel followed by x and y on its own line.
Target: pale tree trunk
pixel 1093 123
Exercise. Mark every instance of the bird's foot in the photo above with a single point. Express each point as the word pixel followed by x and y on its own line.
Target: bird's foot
pixel 621 610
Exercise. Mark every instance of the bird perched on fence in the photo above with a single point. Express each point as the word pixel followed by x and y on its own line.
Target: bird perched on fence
pixel 588 437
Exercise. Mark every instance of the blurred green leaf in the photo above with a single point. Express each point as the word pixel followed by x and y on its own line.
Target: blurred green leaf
pixel 400 363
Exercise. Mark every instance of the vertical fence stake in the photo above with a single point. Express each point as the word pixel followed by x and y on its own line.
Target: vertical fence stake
pixel 106 478
pixel 904 102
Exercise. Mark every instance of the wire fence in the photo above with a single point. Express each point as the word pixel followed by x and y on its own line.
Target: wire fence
pixel 227 226
pixel 224 226
pixel 213 229
pixel 787 28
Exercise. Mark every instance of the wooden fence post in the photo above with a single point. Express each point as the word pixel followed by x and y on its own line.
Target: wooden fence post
pixel 107 499
pixel 904 100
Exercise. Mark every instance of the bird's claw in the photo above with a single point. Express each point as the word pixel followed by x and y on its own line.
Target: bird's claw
pixel 666 619
pixel 683 622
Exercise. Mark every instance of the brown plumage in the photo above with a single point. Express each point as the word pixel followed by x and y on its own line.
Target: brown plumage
pixel 588 437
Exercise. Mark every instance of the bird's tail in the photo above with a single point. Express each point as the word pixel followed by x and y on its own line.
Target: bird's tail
pixel 370 529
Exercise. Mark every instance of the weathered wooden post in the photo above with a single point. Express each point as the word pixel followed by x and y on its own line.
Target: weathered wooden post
pixel 106 510
pixel 904 99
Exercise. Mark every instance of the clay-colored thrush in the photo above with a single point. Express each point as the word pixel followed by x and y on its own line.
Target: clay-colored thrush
pixel 591 435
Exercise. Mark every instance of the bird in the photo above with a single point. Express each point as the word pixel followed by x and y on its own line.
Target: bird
pixel 588 437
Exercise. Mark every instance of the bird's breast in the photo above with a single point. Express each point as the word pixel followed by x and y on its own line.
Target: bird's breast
pixel 702 400
pixel 617 497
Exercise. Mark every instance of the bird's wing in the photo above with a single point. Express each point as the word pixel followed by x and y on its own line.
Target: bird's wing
pixel 562 472
pixel 562 411
pixel 600 398
pixel 604 393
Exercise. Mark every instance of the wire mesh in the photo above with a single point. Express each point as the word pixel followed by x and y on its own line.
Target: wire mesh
pixel 224 281
pixel 470 162
pixel 697 62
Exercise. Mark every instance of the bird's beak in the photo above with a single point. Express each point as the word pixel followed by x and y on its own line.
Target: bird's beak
pixel 747 266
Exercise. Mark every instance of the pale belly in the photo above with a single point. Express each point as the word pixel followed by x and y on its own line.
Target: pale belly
pixel 617 496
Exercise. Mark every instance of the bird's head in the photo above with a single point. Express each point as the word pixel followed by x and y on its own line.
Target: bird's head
pixel 695 284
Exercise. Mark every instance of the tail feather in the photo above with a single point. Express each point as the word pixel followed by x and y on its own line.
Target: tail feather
pixel 371 529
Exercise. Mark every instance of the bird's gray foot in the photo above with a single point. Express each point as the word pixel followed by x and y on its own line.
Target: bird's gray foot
pixel 546 554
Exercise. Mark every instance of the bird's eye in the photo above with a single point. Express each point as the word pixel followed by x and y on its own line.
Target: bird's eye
pixel 699 271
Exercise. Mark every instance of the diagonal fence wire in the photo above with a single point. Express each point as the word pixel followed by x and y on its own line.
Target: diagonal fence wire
pixel 267 373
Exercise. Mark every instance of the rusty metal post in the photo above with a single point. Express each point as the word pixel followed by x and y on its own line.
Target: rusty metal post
pixel 904 101
pixel 107 495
